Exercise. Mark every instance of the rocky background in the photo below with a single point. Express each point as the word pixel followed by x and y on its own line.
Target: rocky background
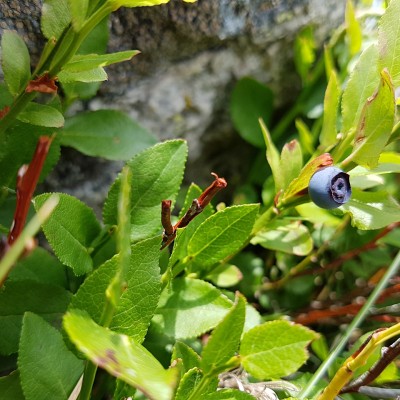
pixel 192 55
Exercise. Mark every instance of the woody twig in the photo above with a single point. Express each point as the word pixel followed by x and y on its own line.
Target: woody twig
pixel 197 206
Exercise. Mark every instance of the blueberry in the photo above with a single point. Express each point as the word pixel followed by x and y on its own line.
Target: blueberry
pixel 329 187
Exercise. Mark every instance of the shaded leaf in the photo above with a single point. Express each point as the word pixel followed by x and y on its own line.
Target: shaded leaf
pixel 275 349
pixel 42 115
pixel 120 356
pixel 70 230
pixel 55 18
pixel 221 235
pixel 156 175
pixel 229 394
pixel 189 308
pixel 10 387
pixel 18 297
pixel 42 346
pixel 372 210
pixel 251 101
pixel 225 338
pixel 15 61
pixel 105 133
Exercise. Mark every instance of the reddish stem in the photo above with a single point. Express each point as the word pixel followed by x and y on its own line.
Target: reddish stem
pixel 28 176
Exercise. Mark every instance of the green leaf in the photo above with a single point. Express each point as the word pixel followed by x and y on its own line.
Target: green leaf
pixel 189 308
pixel 70 230
pixel 15 62
pixel 17 297
pixel 226 275
pixel 40 266
pixel 375 125
pixel 89 75
pixel 353 29
pixel 221 235
pixel 120 356
pixel 188 382
pixel 275 349
pixel 42 115
pixel 10 387
pixel 179 251
pixel 225 339
pixel 229 394
pixel 79 9
pixel 105 133
pixel 43 346
pixel 156 175
pixel 136 3
pixel 55 18
pixel 389 43
pixel 362 83
pixel 190 359
pixel 372 210
pixel 304 52
pixel 138 302
pixel 291 162
pixel 305 135
pixel 328 135
pixel 286 236
pixel 251 101
pixel 84 62
pixel 18 149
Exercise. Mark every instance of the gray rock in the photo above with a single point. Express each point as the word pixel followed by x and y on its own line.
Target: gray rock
pixel 192 55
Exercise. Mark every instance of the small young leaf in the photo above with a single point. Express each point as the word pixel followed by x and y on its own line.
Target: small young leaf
pixel 375 125
pixel 187 383
pixel 389 43
pixel 84 62
pixel 55 18
pixel 70 230
pixel 189 308
pixel 304 52
pixel 372 210
pixel 10 387
pixel 120 356
pixel 229 394
pixel 224 341
pixel 275 349
pixel 42 345
pixel 90 75
pixel 331 103
pixel 79 9
pixel 20 296
pixel 156 175
pixel 251 101
pixel 139 300
pixel 291 162
pixel 105 133
pixel 190 359
pixel 288 237
pixel 42 115
pixel 221 235
pixel 362 82
pixel 15 62
pixel 306 136
pixel 353 29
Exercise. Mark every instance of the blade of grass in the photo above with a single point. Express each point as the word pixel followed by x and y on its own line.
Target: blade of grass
pixel 323 368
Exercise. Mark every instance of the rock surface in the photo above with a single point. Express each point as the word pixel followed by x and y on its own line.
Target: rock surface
pixel 192 55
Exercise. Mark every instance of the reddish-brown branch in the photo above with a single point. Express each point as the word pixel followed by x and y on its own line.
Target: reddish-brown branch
pixel 197 206
pixel 28 176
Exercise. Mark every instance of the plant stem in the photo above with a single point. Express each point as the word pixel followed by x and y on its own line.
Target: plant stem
pixel 323 368
pixel 15 251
